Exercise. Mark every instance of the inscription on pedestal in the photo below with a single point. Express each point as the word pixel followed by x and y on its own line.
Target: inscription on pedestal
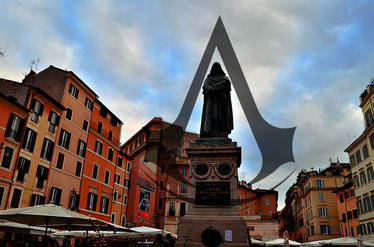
pixel 213 193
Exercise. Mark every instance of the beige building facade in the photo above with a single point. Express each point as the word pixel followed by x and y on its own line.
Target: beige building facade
pixel 361 154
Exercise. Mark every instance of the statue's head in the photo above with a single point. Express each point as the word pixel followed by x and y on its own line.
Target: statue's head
pixel 216 70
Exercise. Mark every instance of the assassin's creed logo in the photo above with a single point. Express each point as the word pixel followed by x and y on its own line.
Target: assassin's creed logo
pixel 275 143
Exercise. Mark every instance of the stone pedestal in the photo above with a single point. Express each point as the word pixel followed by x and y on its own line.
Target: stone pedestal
pixel 213 209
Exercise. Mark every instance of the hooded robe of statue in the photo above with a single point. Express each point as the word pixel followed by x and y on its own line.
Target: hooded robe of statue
pixel 217 120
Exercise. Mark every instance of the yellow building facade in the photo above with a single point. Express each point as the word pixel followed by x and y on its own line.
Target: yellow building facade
pixel 361 154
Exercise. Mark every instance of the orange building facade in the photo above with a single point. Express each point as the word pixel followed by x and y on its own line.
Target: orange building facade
pixel 143 148
pixel 12 118
pixel 34 160
pixel 347 210
pixel 104 184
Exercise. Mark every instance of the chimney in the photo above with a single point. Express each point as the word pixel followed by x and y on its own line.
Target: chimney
pixel 29 78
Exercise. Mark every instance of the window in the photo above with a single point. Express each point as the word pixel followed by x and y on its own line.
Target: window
pixel 91 201
pixel 367 204
pixel 119 161
pixel 85 125
pixel 81 150
pixel 110 135
pixel 55 196
pixel 107 176
pixel 184 172
pixel 127 183
pixel 162 168
pixel 110 154
pixel 301 222
pixel 182 209
pixel 37 200
pixel 89 104
pixel 117 178
pixel 322 212
pixel 125 199
pixel 359 206
pixel 321 196
pixel 29 140
pixel 363 177
pixel 325 229
pixel 371 139
pixel 160 203
pixel 60 160
pixel 123 220
pixel 341 198
pixel 267 201
pixel 37 109
pixel 47 149
pixel 14 127
pixel 365 151
pixel 128 168
pixel 183 188
pixel 368 118
pixel 352 192
pixel 16 198
pixel 42 175
pixel 54 120
pixel 171 208
pixel 312 230
pixel 73 91
pixel 115 195
pixel 346 194
pixel 370 173
pixel 344 219
pixel 78 169
pixel 352 160
pixel 320 183
pixel 349 215
pixel 112 218
pixel 358 156
pixel 113 121
pixel 141 139
pixel 64 140
pixel 104 205
pixel 356 181
pixel 98 147
pixel 161 185
pixel 94 171
pixel 103 111
pixel 69 113
pixel 23 168
pixel 7 157
pixel 99 127
pixel 74 202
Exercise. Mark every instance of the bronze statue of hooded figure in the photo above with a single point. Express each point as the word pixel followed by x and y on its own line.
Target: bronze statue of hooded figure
pixel 217 120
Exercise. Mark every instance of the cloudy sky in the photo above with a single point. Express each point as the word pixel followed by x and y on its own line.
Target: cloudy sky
pixel 306 63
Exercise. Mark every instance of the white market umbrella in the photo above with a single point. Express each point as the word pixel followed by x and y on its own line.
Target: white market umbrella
pixel 280 241
pixel 48 215
pixel 8 226
pixel 346 241
pixel 258 242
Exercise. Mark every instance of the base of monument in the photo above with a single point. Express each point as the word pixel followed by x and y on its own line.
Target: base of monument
pixel 213 141
pixel 232 230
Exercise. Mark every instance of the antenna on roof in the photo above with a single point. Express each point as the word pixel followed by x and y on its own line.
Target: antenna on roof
pixel 34 64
